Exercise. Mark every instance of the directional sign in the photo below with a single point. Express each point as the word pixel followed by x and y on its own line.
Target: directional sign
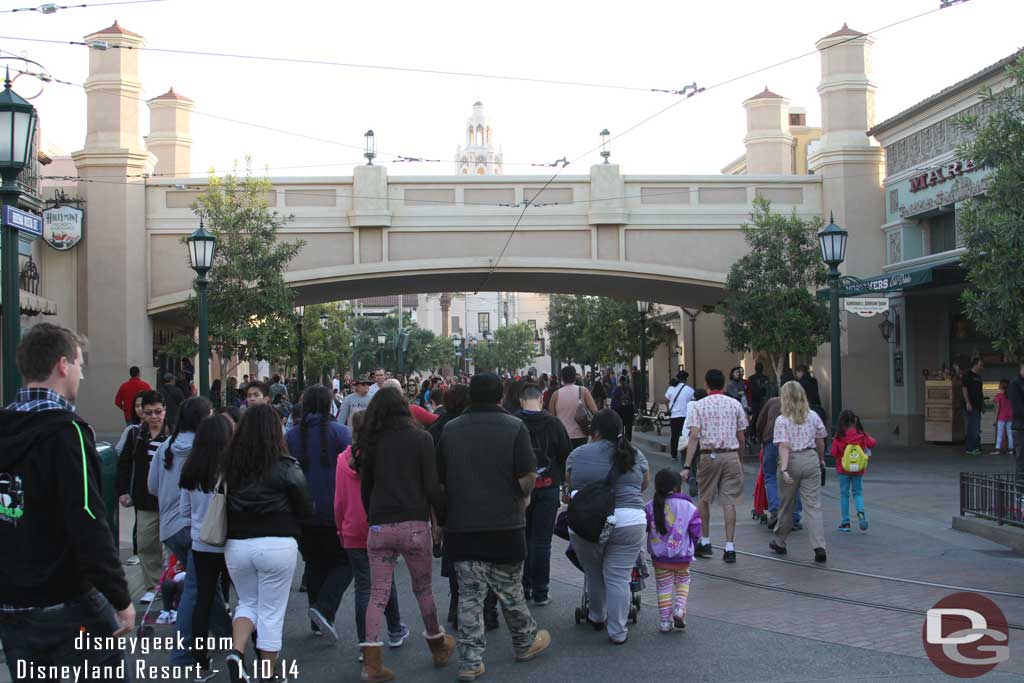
pixel 23 221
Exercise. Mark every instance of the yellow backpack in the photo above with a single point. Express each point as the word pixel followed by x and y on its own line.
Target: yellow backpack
pixel 855 459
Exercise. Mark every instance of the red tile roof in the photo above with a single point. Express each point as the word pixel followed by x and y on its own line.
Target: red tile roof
pixel 845 31
pixel 765 94
pixel 171 95
pixel 117 28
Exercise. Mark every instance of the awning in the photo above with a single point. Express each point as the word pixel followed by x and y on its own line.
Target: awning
pixel 941 274
pixel 33 304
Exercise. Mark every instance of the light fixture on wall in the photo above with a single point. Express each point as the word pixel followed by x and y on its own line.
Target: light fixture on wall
pixel 371 147
pixel 890 327
pixel 605 143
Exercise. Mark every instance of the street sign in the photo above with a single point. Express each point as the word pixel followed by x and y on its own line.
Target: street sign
pixel 62 227
pixel 23 221
pixel 865 307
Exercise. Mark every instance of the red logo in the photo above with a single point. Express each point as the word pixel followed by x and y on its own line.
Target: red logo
pixel 966 635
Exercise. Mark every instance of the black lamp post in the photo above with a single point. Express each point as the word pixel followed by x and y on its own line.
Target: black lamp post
pixel 458 341
pixel 202 246
pixel 17 131
pixel 300 374
pixel 324 374
pixel 832 240
pixel 644 308
pixel 381 340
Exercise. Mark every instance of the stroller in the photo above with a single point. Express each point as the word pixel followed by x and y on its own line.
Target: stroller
pixel 145 628
pixel 760 509
pixel 636 583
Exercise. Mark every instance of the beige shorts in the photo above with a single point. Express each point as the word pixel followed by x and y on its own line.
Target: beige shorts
pixel 721 478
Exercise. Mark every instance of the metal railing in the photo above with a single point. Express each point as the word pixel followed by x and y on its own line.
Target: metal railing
pixel 998 496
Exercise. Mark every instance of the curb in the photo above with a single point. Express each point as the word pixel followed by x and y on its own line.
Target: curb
pixel 1011 537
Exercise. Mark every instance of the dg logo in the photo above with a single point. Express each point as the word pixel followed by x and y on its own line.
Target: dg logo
pixel 966 635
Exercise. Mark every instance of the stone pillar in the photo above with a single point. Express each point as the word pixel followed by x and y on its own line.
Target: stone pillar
pixel 446 305
pixel 851 166
pixel 113 270
pixel 169 136
pixel 769 143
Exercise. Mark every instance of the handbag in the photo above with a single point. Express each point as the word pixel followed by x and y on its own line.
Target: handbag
pixel 583 415
pixel 215 522
pixel 591 511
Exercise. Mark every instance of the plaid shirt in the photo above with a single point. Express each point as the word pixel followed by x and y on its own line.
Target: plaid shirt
pixel 39 398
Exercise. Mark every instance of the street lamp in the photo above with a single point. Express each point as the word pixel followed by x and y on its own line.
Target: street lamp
pixel 457 340
pixel 323 320
pixel 202 246
pixel 644 308
pixel 605 140
pixel 371 147
pixel 832 240
pixel 300 374
pixel 17 131
pixel 381 340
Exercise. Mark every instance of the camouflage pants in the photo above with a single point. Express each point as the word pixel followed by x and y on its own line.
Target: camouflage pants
pixel 506 580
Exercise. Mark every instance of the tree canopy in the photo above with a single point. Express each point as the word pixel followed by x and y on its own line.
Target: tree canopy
pixel 770 304
pixel 511 350
pixel 593 330
pixel 991 226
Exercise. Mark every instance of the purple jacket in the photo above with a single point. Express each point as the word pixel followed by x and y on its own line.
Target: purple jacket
pixel 684 526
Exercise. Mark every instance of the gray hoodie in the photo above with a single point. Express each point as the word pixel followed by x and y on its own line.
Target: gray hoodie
pixel 163 483
pixel 193 507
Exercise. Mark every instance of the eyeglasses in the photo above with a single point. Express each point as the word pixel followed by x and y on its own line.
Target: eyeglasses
pixel 153 413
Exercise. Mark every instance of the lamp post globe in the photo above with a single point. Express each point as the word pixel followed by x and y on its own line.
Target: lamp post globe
pixel 832 240
pixel 202 248
pixel 371 147
pixel 17 135
pixel 605 144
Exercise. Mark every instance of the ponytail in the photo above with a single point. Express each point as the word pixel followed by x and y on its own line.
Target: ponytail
pixel 666 482
pixel 608 425
pixel 191 413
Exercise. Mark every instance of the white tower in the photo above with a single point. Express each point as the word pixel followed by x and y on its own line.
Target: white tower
pixel 478 156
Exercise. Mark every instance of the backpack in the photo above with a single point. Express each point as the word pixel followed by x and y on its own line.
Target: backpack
pixel 592 506
pixel 540 453
pixel 855 459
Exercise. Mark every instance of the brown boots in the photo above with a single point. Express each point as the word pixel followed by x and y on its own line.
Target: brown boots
pixel 441 647
pixel 374 670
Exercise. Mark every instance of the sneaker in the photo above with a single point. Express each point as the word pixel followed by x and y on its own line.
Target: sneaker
pixel 204 674
pixel 862 521
pixel 845 527
pixel 398 639
pixel 132 561
pixel 540 602
pixel 326 627
pixel 174 616
pixel 147 597
pixel 315 629
pixel 702 550
pixel 773 519
pixel 665 627
pixel 236 669
pixel 819 555
pixel 541 642
pixel 164 618
pixel 472 673
pixel 729 556
pixel 779 549
pixel 679 621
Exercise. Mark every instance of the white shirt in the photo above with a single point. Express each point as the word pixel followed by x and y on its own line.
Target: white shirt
pixel 678 408
pixel 374 388
pixel 336 384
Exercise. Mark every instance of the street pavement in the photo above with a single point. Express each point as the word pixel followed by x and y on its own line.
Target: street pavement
pixel 762 619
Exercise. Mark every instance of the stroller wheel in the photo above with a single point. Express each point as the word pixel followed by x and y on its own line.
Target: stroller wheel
pixel 633 615
pixel 764 518
pixel 579 615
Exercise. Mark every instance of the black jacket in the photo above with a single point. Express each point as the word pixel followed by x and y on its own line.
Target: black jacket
pixel 53 525
pixel 133 469
pixel 435 429
pixel 481 456
pixel 273 506
pixel 550 443
pixel 399 480
pixel 810 385
pixel 1016 394
pixel 173 398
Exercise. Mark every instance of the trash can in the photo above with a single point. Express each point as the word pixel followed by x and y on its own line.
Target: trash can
pixel 108 487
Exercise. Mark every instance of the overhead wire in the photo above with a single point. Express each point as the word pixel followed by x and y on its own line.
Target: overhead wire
pixel 51 8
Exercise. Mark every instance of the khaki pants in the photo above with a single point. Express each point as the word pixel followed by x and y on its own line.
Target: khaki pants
pixel 151 552
pixel 806 474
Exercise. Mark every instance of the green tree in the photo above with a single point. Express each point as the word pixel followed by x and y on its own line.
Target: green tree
pixel 991 226
pixel 770 304
pixel 512 349
pixel 568 318
pixel 325 350
pixel 592 331
pixel 250 305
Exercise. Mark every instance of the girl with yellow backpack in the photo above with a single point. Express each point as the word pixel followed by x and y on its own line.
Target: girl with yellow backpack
pixel 851 449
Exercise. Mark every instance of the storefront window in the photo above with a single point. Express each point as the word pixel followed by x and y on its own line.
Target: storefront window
pixel 941 231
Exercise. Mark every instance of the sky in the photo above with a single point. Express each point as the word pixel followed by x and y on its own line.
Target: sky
pixel 640 44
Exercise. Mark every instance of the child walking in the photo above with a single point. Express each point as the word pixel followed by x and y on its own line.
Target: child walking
pixel 673 529
pixel 852 445
pixel 1004 418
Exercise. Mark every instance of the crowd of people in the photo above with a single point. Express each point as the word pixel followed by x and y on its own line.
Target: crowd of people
pixel 474 471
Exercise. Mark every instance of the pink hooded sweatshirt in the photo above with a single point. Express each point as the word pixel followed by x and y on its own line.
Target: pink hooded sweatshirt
pixel 349 514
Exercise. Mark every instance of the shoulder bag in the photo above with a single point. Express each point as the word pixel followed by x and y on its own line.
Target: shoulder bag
pixel 583 415
pixel 215 522
pixel 591 511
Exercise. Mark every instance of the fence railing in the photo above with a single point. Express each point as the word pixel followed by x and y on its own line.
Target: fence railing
pixel 998 496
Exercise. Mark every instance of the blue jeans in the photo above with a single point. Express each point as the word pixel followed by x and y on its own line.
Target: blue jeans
pixel 846 483
pixel 220 623
pixel 46 636
pixel 771 481
pixel 540 525
pixel 973 429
